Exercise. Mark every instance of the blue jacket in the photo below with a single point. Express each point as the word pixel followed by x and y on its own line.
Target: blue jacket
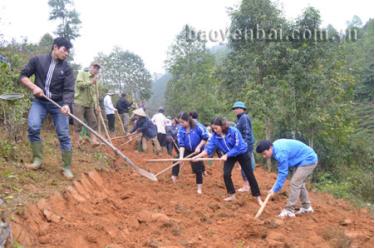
pixel 243 124
pixel 231 144
pixel 290 153
pixel 191 140
pixel 145 125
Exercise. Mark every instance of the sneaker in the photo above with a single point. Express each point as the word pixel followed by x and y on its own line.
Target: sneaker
pixel 305 210
pixel 174 179
pixel 286 213
pixel 231 197
pixel 199 189
pixel 244 189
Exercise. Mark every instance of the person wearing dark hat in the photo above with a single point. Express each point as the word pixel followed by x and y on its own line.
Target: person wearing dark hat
pixel 291 153
pixel 86 102
pixel 53 78
pixel 245 127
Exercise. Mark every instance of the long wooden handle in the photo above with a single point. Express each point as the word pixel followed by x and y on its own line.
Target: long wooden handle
pixel 131 139
pixel 260 211
pixel 138 169
pixel 180 160
pixel 174 164
pixel 121 124
pixel 104 126
pixel 123 136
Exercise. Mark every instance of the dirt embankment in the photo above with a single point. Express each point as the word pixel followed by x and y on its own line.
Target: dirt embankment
pixel 119 208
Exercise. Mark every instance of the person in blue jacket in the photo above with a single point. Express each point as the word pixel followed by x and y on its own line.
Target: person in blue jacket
pixel 191 136
pixel 229 141
pixel 148 130
pixel 245 127
pixel 291 153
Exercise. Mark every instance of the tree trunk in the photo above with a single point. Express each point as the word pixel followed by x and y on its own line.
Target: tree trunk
pixel 268 127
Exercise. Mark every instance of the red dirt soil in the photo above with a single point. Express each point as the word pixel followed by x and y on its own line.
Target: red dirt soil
pixel 120 208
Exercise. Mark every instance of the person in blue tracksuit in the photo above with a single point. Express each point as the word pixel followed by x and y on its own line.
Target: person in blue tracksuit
pixel 229 141
pixel 291 153
pixel 191 136
pixel 245 127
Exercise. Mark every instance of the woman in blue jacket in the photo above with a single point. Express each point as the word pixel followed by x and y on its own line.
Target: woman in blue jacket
pixel 191 136
pixel 229 141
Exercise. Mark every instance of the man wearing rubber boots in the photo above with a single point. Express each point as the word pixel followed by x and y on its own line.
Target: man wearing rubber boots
pixel 54 79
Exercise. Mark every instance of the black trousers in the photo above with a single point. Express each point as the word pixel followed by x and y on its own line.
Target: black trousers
pixel 111 122
pixel 245 162
pixel 196 167
pixel 171 144
pixel 162 138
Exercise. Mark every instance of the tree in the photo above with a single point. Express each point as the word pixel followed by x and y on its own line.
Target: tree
pixel 256 67
pixel 124 71
pixel 63 11
pixel 193 86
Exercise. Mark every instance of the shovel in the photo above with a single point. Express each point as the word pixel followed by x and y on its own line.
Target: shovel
pixel 139 170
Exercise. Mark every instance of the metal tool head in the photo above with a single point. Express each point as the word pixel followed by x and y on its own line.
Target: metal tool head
pixel 11 96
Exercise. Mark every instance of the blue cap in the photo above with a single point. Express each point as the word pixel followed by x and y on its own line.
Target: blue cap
pixel 239 104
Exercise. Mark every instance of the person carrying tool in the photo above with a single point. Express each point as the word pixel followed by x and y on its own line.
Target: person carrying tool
pixel 291 153
pixel 192 137
pixel 109 111
pixel 53 78
pixel 148 130
pixel 229 141
pixel 160 121
pixel 243 124
pixel 86 102
pixel 171 138
pixel 122 107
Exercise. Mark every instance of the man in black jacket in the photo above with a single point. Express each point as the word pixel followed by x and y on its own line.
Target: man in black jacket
pixel 54 79
pixel 122 107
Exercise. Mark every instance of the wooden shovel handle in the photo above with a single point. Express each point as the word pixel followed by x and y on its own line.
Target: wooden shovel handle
pixel 260 211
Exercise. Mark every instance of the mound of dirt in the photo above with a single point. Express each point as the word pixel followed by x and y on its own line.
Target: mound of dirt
pixel 119 208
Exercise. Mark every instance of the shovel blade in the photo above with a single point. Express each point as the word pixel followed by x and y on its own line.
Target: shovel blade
pixel 148 174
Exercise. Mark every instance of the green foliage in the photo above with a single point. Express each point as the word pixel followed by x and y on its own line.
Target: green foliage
pixel 63 11
pixel 12 112
pixel 317 92
pixel 193 86
pixel 124 71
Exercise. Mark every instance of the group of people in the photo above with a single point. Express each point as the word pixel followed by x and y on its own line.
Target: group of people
pixel 184 134
pixel 87 103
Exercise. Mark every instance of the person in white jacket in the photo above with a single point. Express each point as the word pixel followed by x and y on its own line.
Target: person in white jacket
pixel 109 110
pixel 161 122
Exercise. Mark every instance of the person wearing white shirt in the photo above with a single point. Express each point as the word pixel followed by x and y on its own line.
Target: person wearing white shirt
pixel 161 121
pixel 109 110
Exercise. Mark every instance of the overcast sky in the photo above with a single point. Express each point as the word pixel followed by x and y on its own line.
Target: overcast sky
pixel 148 28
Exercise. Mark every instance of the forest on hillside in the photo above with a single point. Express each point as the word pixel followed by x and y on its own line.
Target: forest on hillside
pixel 317 91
